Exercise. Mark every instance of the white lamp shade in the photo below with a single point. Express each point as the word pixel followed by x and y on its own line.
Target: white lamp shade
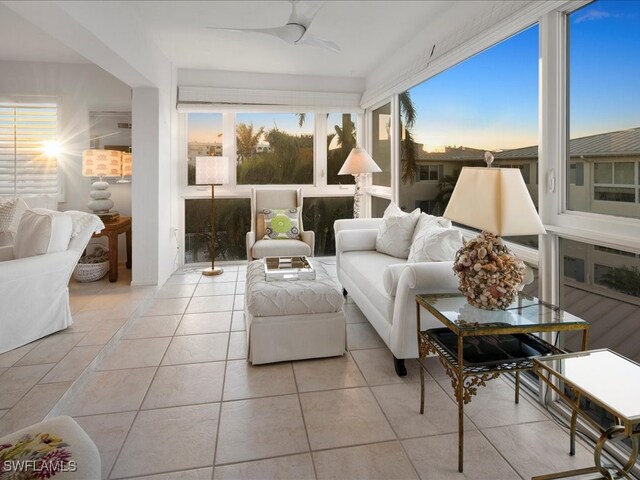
pixel 126 164
pixel 495 200
pixel 212 170
pixel 359 161
pixel 101 163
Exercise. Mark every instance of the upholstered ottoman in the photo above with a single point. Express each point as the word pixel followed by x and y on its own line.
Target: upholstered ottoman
pixel 293 319
pixel 57 448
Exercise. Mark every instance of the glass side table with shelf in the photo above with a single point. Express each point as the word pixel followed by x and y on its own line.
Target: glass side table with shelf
pixel 495 341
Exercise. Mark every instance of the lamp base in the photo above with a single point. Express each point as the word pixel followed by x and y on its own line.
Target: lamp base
pixel 212 271
pixel 489 274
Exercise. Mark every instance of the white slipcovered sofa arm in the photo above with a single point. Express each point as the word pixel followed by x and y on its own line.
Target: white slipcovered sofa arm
pixel 38 266
pixel 418 278
pixel 356 224
pixel 6 253
pixel 251 240
pixel 391 278
pixel 355 240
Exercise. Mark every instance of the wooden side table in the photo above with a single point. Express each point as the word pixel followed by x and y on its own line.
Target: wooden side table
pixel 111 231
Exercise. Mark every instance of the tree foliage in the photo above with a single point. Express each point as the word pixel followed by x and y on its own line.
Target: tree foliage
pixel 408 147
pixel 246 140
pixel 623 279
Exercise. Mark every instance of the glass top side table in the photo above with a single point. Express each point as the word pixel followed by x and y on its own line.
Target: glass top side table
pixel 525 316
pixel 606 379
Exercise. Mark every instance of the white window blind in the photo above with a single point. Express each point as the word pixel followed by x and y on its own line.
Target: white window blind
pixel 24 129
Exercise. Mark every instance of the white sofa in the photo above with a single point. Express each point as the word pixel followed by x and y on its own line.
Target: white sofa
pixel 34 290
pixel 25 201
pixel 384 287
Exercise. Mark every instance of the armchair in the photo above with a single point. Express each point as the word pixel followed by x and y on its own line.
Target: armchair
pixel 34 290
pixel 271 198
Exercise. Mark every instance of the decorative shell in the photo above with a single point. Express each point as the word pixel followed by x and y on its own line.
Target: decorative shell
pixel 489 274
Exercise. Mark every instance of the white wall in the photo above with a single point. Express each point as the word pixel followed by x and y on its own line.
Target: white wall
pixel 81 88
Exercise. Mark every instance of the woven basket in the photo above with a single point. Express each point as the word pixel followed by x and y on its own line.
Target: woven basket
pixel 92 267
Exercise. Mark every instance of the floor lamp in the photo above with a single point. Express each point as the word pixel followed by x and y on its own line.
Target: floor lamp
pixel 358 163
pixel 212 171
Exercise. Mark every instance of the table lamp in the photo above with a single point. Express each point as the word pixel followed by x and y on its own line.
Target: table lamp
pixel 127 161
pixel 496 201
pixel 358 163
pixel 101 163
pixel 212 171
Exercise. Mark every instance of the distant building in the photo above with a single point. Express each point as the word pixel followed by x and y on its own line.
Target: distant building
pixel 197 149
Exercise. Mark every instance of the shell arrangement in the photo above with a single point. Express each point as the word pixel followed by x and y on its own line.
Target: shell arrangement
pixel 489 275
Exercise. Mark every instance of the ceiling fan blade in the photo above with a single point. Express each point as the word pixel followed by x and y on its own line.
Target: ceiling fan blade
pixel 314 41
pixel 288 33
pixel 304 11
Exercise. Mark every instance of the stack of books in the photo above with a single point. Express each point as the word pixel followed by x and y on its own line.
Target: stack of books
pixel 109 217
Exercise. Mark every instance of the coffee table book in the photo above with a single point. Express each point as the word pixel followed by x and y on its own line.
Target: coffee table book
pixel 288 268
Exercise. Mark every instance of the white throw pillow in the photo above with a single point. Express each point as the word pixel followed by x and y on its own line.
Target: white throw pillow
pixel 435 244
pixel 396 231
pixel 427 221
pixel 42 231
pixel 7 212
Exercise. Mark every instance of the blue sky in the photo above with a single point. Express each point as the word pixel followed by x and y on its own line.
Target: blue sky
pixel 490 101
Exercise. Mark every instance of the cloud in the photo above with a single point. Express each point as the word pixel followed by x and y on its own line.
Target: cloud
pixel 595 15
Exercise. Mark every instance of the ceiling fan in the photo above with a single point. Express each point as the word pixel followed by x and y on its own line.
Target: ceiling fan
pixel 295 32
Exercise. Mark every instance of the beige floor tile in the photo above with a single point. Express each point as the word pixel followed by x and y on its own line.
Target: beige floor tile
pixel 33 407
pixel 176 291
pixel 362 335
pixel 217 303
pixel 377 367
pixel 186 385
pixel 102 333
pixel 8 359
pixel 110 392
pixel 195 323
pixel 148 327
pixel 142 352
pixel 184 279
pixel 227 276
pixel 358 419
pixel 260 428
pixel 401 405
pixel 16 381
pixel 546 446
pixel 244 380
pixel 435 368
pixel 209 289
pixel 199 474
pixel 4 369
pixel 294 467
pixel 436 458
pixel 108 433
pixel 167 306
pixel 2 412
pixel 71 366
pixel 51 349
pixel 353 314
pixel 210 347
pixel 327 374
pixel 494 405
pixel 238 303
pixel 240 286
pixel 377 461
pixel 237 346
pixel 84 321
pixel 183 438
pixel 237 322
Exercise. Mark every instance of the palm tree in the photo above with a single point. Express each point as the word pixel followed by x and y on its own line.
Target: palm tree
pixel 446 184
pixel 407 145
pixel 246 140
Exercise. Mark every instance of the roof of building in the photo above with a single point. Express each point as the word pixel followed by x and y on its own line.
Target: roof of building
pixel 609 144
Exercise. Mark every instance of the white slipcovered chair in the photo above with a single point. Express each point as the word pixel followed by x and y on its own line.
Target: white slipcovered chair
pixel 276 198
pixel 34 291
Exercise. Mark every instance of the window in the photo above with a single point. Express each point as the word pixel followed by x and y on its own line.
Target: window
pixel 319 214
pixel 25 131
pixel 378 206
pixel 604 107
pixel 576 174
pixel 204 139
pixel 488 102
pixel 381 148
pixel 429 173
pixel 574 268
pixel 274 148
pixel 341 138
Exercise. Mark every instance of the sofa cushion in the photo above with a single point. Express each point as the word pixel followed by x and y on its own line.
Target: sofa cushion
pixel 281 223
pixel 435 244
pixel 396 231
pixel 42 231
pixel 427 221
pixel 365 269
pixel 270 248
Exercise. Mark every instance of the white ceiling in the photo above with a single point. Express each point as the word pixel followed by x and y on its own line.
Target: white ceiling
pixel 366 31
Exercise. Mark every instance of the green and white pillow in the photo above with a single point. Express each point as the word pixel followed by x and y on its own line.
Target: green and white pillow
pixel 281 224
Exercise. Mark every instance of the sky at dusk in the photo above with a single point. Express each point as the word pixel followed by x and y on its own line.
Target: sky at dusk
pixel 490 101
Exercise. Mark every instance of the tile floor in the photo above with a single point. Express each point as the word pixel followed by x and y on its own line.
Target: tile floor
pixel 171 396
